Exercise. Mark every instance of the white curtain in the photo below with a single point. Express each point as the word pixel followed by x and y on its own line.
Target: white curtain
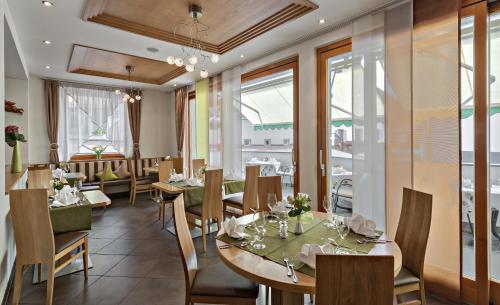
pixel 87 112
pixel 215 143
pixel 231 113
pixel 368 118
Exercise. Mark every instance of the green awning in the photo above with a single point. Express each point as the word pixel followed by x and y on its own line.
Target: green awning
pixel 468 112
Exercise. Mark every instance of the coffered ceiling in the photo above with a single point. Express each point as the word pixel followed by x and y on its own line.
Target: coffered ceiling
pixel 63 25
pixel 230 23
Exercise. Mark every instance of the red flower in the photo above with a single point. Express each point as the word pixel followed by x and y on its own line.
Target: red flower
pixel 11 129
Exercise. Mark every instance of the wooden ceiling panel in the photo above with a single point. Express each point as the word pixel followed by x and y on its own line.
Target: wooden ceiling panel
pixel 231 22
pixel 98 62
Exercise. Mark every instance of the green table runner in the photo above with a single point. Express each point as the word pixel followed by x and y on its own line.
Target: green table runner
pixel 193 195
pixel 72 218
pixel 315 232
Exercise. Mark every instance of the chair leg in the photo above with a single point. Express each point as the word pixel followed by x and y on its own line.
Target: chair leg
pixel 39 271
pixel 163 207
pixel 18 282
pixel 159 211
pixel 267 294
pixel 86 257
pixel 131 195
pixel 422 293
pixel 203 235
pixel 50 283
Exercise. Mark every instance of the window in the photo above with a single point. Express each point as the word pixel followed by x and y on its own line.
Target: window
pixel 91 117
pixel 247 142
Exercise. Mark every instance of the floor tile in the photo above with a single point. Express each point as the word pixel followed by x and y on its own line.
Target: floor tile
pixel 121 246
pixel 103 263
pixel 153 292
pixel 106 291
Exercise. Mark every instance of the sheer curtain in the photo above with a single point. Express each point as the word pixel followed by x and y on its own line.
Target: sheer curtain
pixel 88 111
pixel 368 118
pixel 231 114
pixel 215 143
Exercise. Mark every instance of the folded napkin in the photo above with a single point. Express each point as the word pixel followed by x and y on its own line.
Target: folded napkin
pixel 308 253
pixel 233 229
pixel 177 178
pixel 362 226
pixel 193 182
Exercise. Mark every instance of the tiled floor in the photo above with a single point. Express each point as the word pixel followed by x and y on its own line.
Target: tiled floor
pixel 135 262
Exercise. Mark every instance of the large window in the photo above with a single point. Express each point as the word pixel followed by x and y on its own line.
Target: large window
pixel 91 117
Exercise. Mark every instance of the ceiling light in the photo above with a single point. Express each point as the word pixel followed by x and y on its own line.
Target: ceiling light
pixel 46 41
pixel 204 73
pixel 179 62
pixel 322 20
pixel 242 55
pixel 215 58
pixel 170 60
pixel 193 60
pixel 130 94
pixel 175 85
pixel 47 3
pixel 47 67
pixel 189 68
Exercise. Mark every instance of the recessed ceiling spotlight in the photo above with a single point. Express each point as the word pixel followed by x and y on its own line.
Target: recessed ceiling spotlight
pixel 46 42
pixel 47 67
pixel 152 49
pixel 322 20
pixel 47 3
pixel 175 85
pixel 242 55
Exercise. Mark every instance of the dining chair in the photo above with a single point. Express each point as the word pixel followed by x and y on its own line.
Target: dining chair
pixel 213 284
pixel 36 242
pixel 211 207
pixel 39 178
pixel 354 280
pixel 197 164
pixel 242 203
pixel 268 185
pixel 137 186
pixel 411 236
pixel 164 169
pixel 178 165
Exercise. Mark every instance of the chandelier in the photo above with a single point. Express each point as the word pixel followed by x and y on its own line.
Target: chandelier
pixel 129 94
pixel 194 56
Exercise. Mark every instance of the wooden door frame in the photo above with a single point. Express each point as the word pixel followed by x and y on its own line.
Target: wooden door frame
pixel 322 55
pixel 276 67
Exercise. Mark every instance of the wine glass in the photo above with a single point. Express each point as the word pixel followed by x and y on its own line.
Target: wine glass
pixel 260 231
pixel 327 205
pixel 271 203
pixel 343 227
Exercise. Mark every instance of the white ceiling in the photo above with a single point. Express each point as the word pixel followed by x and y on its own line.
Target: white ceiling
pixel 63 26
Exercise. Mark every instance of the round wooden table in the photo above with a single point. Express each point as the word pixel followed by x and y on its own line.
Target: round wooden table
pixel 269 273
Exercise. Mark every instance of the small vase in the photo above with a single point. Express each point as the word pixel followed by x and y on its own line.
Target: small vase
pixel 98 156
pixel 298 227
pixel 16 165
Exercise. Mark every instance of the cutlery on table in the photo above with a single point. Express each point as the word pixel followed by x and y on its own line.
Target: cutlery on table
pixel 294 276
pixel 287 262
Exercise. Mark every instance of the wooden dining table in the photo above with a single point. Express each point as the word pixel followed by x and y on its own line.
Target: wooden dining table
pixel 266 272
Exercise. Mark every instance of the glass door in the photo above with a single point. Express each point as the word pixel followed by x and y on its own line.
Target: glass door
pixel 335 125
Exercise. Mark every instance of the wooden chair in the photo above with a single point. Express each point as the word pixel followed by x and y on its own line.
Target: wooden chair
pixel 178 165
pixel 39 178
pixel 197 164
pixel 242 203
pixel 137 186
pixel 214 284
pixel 36 242
pixel 268 185
pixel 354 280
pixel 211 207
pixel 164 169
pixel 411 236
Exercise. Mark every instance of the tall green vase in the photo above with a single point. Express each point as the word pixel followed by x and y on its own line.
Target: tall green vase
pixel 17 164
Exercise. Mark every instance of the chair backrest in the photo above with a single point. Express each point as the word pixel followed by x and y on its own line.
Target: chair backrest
pixel 212 195
pixel 268 185
pixel 354 280
pixel 413 229
pixel 32 226
pixel 197 164
pixel 250 190
pixel 164 170
pixel 185 242
pixel 178 165
pixel 138 165
pixel 39 178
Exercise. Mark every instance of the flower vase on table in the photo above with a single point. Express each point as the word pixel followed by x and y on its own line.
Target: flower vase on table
pixel 12 138
pixel 300 206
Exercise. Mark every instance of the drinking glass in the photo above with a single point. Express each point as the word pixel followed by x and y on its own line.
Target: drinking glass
pixel 343 227
pixel 260 231
pixel 271 203
pixel 328 206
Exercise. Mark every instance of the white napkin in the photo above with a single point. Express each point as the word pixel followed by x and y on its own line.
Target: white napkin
pixel 194 182
pixel 176 178
pixel 67 195
pixel 58 174
pixel 308 253
pixel 57 204
pixel 362 226
pixel 233 229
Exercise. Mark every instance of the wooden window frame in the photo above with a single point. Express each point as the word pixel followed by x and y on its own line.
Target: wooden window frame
pixel 276 67
pixel 91 157
pixel 322 56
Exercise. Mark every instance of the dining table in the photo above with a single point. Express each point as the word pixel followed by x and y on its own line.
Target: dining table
pixel 74 217
pixel 267 267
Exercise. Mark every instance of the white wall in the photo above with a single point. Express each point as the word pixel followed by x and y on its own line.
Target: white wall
pixel 157 123
pixel 307 101
pixel 16 90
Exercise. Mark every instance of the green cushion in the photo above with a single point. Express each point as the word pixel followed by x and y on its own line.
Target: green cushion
pixel 108 175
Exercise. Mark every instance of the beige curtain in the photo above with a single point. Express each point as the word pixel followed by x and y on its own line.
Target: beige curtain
pixel 134 116
pixel 51 90
pixel 181 96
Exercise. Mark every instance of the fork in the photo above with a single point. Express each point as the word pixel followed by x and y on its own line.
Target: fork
pixel 294 276
pixel 287 262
